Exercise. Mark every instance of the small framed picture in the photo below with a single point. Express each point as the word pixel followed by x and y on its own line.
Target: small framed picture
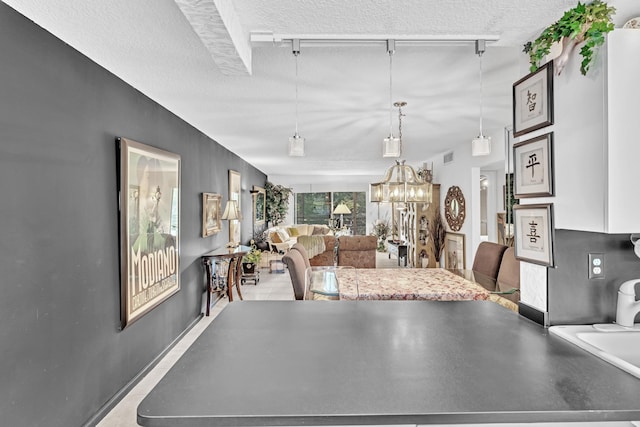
pixel 533 100
pixel 210 214
pixel 533 167
pixel 534 233
pixel 454 253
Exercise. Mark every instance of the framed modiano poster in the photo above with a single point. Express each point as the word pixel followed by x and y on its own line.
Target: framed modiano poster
pixel 149 180
pixel 454 251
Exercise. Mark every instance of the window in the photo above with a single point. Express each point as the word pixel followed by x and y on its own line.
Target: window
pixel 317 208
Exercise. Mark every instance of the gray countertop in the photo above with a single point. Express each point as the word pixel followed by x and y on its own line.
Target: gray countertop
pixel 384 362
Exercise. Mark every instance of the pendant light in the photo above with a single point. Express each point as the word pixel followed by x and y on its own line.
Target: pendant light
pixel 481 145
pixel 296 142
pixel 391 146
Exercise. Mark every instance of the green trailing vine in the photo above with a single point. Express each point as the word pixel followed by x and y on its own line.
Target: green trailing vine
pixel 277 202
pixel 586 23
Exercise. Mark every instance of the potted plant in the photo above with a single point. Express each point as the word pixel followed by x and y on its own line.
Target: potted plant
pixel 438 234
pixel 585 23
pixel 381 231
pixel 251 259
pixel 277 203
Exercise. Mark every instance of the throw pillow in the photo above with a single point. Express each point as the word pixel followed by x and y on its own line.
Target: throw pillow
pixel 283 235
pixel 319 231
pixel 275 238
pixel 293 232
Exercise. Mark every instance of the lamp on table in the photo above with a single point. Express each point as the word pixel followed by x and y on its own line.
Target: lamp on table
pixel 341 209
pixel 231 212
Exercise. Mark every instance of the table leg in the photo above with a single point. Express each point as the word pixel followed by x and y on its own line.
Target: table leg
pixel 230 276
pixel 238 276
pixel 207 264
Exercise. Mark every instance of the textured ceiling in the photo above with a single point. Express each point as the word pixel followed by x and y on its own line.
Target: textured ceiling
pixel 243 96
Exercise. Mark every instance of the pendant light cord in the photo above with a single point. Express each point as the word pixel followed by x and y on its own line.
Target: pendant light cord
pixel 390 94
pixel 296 53
pixel 480 55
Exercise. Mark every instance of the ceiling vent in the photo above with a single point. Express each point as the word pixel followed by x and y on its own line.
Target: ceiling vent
pixel 447 158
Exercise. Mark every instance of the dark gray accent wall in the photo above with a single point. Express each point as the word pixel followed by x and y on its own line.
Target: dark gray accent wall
pixel 573 297
pixel 62 354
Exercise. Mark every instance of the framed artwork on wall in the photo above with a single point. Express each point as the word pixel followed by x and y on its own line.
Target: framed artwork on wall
pixel 454 251
pixel 235 183
pixel 259 205
pixel 210 214
pixel 149 178
pixel 533 167
pixel 534 233
pixel 533 100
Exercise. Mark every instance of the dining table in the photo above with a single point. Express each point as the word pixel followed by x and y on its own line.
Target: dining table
pixel 435 284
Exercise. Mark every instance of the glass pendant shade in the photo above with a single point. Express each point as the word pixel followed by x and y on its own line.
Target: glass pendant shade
pixel 296 146
pixel 401 184
pixel 391 147
pixel 481 146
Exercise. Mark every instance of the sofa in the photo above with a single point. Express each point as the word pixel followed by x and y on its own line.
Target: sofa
pixel 284 236
pixel 354 251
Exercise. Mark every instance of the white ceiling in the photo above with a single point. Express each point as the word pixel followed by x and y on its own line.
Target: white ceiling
pixel 174 51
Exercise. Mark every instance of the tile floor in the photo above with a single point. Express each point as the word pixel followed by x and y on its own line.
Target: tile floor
pixel 271 287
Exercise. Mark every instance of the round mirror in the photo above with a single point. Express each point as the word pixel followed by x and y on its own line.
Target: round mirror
pixel 454 208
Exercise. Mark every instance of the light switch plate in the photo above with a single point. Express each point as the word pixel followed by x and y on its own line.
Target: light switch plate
pixel 596 266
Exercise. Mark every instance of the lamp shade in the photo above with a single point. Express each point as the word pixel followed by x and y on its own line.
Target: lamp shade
pixel 231 210
pixel 341 209
pixel 391 147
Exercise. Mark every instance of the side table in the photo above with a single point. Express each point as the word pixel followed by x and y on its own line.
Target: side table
pixel 234 275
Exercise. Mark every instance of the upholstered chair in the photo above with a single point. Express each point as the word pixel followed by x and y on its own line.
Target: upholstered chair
pixel 357 251
pixel 488 258
pixel 296 264
pixel 298 247
pixel 509 276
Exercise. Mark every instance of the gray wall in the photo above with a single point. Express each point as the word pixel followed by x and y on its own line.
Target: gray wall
pixel 62 354
pixel 573 297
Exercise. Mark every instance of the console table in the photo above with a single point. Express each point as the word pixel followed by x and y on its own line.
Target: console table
pixel 398 249
pixel 234 274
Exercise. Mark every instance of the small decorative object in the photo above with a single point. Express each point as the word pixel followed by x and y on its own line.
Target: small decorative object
pixel 149 228
pixel 235 183
pixel 425 174
pixel 210 214
pixel 585 23
pixel 438 233
pixel 533 101
pixel 534 233
pixel 454 208
pixel 533 167
pixel 633 23
pixel 454 251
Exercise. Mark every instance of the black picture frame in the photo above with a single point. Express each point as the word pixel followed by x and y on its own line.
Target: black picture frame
pixel 534 233
pixel 533 101
pixel 533 167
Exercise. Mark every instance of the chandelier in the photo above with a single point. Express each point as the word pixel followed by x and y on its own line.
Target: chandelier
pixel 401 184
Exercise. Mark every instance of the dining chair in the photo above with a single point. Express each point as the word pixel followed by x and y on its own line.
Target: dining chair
pixel 295 262
pixel 508 282
pixel 488 258
pixel 300 248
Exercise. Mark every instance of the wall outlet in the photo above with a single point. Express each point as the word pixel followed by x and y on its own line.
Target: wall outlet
pixel 596 266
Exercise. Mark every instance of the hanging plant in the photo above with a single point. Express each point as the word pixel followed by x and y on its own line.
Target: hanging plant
pixel 585 23
pixel 277 202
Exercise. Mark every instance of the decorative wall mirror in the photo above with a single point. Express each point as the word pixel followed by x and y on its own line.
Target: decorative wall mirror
pixel 454 208
pixel 259 205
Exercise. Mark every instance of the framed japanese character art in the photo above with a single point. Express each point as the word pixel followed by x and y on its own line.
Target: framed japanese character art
pixel 149 178
pixel 454 252
pixel 533 100
pixel 534 233
pixel 533 167
pixel 210 214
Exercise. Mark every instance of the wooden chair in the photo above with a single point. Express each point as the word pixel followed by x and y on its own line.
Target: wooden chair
pixel 488 258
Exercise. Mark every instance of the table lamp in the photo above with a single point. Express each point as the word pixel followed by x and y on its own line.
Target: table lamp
pixel 341 209
pixel 231 212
